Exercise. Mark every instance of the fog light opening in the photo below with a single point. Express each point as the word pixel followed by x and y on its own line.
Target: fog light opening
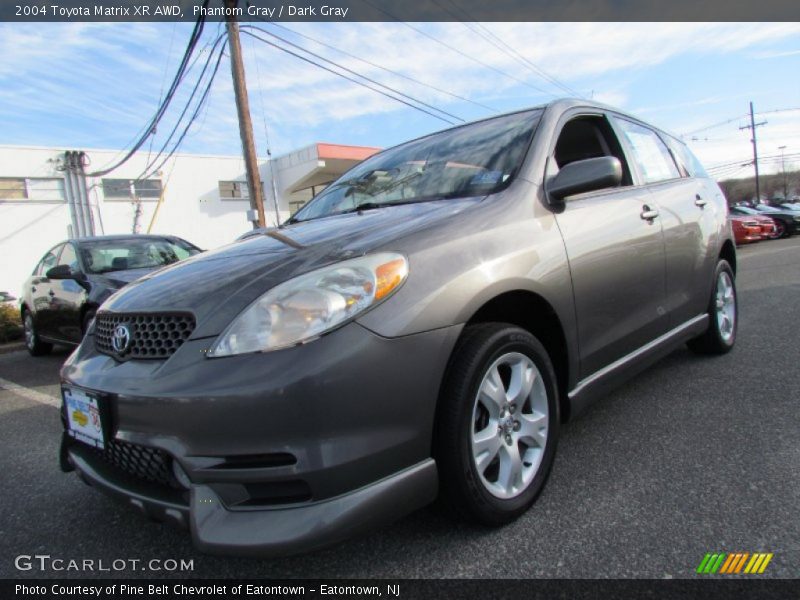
pixel 180 475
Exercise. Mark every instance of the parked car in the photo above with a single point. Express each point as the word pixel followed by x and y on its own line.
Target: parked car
pixel 422 327
pixel 769 230
pixel 6 297
pixel 745 229
pixel 253 233
pixel 786 222
pixel 74 277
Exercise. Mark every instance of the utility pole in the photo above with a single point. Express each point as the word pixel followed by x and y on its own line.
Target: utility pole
pixel 783 170
pixel 245 123
pixel 752 128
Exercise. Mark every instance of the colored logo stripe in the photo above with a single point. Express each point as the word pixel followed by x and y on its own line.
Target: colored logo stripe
pixel 732 563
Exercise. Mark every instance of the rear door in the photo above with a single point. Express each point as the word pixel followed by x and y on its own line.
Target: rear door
pixel 704 204
pixel 614 246
pixel 687 216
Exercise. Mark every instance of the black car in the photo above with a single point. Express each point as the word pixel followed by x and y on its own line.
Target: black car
pixel 787 222
pixel 74 277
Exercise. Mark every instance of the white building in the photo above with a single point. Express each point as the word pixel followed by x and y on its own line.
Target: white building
pixel 203 199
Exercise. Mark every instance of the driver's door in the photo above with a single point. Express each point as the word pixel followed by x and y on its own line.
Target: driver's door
pixel 42 293
pixel 67 299
pixel 615 252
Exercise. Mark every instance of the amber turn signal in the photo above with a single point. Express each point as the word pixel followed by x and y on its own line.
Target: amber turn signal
pixel 389 276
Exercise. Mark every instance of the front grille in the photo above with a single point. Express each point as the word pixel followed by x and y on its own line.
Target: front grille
pixel 140 462
pixel 149 335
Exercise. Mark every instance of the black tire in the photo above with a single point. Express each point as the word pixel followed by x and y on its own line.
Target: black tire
pixel 781 231
pixel 462 489
pixel 87 319
pixel 35 346
pixel 714 341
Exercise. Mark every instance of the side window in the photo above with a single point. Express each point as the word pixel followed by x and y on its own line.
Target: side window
pixel 686 159
pixel 589 136
pixel 48 261
pixel 68 257
pixel 651 155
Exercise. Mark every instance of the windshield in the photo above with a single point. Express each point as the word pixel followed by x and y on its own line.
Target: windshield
pixel 134 253
pixel 746 210
pixel 473 160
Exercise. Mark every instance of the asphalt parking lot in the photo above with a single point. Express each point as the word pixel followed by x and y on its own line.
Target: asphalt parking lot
pixel 695 455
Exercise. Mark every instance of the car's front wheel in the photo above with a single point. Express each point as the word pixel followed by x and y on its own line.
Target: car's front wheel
pixel 35 346
pixel 723 315
pixel 497 424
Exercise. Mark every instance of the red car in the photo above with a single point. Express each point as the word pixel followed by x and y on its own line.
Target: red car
pixel 769 228
pixel 746 229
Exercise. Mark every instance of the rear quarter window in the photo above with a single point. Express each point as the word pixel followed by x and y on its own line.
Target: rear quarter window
pixel 686 159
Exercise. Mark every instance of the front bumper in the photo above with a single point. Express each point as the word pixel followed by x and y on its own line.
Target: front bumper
pixel 286 451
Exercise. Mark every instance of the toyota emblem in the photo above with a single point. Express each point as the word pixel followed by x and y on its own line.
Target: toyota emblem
pixel 121 338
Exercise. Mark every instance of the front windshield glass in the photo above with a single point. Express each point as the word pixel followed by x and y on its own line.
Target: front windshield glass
pixel 746 210
pixel 134 253
pixel 472 160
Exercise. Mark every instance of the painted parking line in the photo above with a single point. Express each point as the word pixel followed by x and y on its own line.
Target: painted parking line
pixel 21 390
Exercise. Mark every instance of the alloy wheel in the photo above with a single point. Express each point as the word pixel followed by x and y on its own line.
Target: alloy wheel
pixel 509 425
pixel 30 335
pixel 725 306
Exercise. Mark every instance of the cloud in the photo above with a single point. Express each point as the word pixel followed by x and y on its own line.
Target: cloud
pixel 768 55
pixel 97 83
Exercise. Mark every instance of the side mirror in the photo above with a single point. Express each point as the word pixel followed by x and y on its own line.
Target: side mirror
pixel 585 176
pixel 62 272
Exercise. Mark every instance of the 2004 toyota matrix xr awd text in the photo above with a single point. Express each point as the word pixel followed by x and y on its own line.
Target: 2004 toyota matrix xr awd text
pixel 420 328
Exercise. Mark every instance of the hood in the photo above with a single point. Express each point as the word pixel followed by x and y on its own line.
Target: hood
pixel 217 285
pixel 117 279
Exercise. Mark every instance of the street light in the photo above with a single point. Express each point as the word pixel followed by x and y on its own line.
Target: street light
pixel 783 169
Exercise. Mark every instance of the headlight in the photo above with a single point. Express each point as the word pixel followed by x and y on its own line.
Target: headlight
pixel 797 218
pixel 310 305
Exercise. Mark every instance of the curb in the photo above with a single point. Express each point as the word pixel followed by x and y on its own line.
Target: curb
pixel 12 347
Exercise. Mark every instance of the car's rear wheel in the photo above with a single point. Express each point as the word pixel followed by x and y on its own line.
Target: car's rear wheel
pixel 780 230
pixel 497 424
pixel 35 346
pixel 723 315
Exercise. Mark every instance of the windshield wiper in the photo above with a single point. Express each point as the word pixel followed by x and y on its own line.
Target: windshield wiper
pixel 371 205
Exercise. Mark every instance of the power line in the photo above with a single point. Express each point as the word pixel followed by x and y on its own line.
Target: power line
pixel 386 87
pixel 456 50
pixel 273 184
pixel 504 47
pixel 737 118
pixel 192 119
pixel 176 81
pixel 749 160
pixel 163 81
pixel 192 95
pixel 378 66
pixel 245 29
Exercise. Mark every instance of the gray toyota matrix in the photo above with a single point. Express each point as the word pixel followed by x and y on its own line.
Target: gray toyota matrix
pixel 420 329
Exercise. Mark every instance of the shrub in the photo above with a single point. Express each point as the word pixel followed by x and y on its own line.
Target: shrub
pixel 10 323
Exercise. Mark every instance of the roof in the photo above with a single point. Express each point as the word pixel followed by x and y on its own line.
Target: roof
pixel 120 237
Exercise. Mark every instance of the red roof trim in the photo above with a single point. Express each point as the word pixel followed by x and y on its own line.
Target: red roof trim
pixel 332 151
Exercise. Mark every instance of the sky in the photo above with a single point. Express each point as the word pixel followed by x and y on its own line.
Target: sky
pixel 96 85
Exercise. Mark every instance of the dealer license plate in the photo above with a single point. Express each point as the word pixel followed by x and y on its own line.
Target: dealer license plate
pixel 83 417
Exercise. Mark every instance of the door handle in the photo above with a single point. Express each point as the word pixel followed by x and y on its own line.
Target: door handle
pixel 648 214
pixel 698 201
